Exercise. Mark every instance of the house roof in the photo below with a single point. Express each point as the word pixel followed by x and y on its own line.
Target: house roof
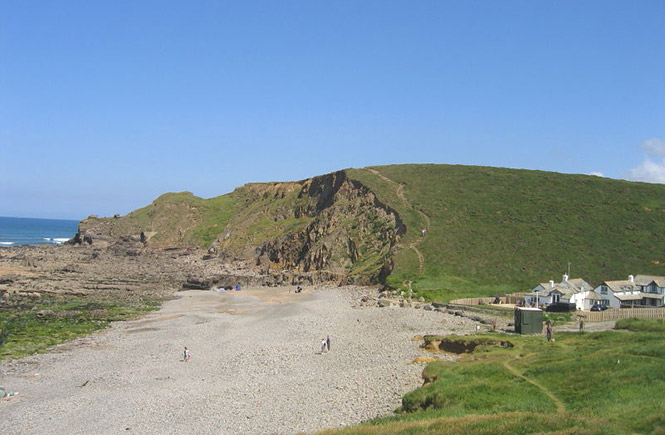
pixel 626 285
pixel 648 279
pixel 572 286
pixel 631 297
pixel 580 283
pixel 651 296
pixel 566 288
pixel 638 296
pixel 622 286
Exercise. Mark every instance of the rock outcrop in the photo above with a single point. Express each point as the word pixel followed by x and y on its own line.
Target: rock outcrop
pixel 327 228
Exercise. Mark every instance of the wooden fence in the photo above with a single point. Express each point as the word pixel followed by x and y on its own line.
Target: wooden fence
pixel 473 301
pixel 623 313
pixel 513 298
pixel 589 316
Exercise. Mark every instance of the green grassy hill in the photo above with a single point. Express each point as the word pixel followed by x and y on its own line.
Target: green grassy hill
pixel 493 229
pixel 488 230
pixel 193 220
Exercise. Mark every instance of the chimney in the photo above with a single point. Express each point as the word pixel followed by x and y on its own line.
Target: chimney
pixel 631 278
pixel 565 278
pixel 551 283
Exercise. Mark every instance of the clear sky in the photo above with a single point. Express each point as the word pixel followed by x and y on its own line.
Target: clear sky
pixel 105 105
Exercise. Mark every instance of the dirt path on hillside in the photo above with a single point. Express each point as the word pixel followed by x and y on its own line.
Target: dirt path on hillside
pixel 399 191
pixel 256 367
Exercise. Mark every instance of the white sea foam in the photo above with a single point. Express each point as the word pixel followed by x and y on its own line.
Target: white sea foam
pixel 6 243
pixel 56 240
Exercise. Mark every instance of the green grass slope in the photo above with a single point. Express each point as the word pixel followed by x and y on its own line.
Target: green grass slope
pixel 181 218
pixel 495 229
pixel 266 211
pixel 598 383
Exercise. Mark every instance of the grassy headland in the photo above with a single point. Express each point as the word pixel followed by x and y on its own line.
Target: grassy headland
pixel 191 220
pixel 488 230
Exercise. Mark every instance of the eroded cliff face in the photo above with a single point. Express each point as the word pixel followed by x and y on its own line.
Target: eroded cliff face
pixel 321 229
pixel 333 228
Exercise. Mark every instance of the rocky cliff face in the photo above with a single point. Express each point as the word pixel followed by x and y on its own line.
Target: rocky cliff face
pixel 349 234
pixel 321 229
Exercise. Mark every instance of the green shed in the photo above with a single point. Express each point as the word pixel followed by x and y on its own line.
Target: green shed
pixel 528 320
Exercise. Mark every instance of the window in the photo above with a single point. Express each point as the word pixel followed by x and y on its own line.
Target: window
pixel 603 290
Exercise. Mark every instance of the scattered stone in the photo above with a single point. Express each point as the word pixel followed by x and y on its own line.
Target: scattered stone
pixel 45 314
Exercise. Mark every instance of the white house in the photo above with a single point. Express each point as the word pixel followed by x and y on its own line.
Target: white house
pixel 574 291
pixel 636 291
pixel 586 299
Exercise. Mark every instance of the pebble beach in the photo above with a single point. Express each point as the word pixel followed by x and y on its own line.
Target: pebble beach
pixel 256 367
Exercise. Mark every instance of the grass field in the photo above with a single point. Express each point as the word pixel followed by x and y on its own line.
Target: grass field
pixel 584 383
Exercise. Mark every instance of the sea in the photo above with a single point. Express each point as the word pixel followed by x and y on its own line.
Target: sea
pixel 33 231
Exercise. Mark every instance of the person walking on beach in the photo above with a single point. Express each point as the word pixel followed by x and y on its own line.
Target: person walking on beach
pixel 186 355
pixel 328 343
pixel 323 345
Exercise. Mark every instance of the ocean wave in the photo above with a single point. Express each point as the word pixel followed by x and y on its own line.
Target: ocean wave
pixel 6 243
pixel 56 240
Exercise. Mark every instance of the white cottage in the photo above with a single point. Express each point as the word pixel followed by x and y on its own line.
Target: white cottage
pixel 636 291
pixel 574 291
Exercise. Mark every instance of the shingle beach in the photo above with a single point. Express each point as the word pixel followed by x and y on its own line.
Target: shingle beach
pixel 256 367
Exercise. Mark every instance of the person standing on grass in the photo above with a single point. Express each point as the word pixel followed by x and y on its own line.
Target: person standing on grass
pixel 549 330
pixel 581 324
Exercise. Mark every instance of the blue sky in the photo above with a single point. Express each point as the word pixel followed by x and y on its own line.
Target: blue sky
pixel 105 105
